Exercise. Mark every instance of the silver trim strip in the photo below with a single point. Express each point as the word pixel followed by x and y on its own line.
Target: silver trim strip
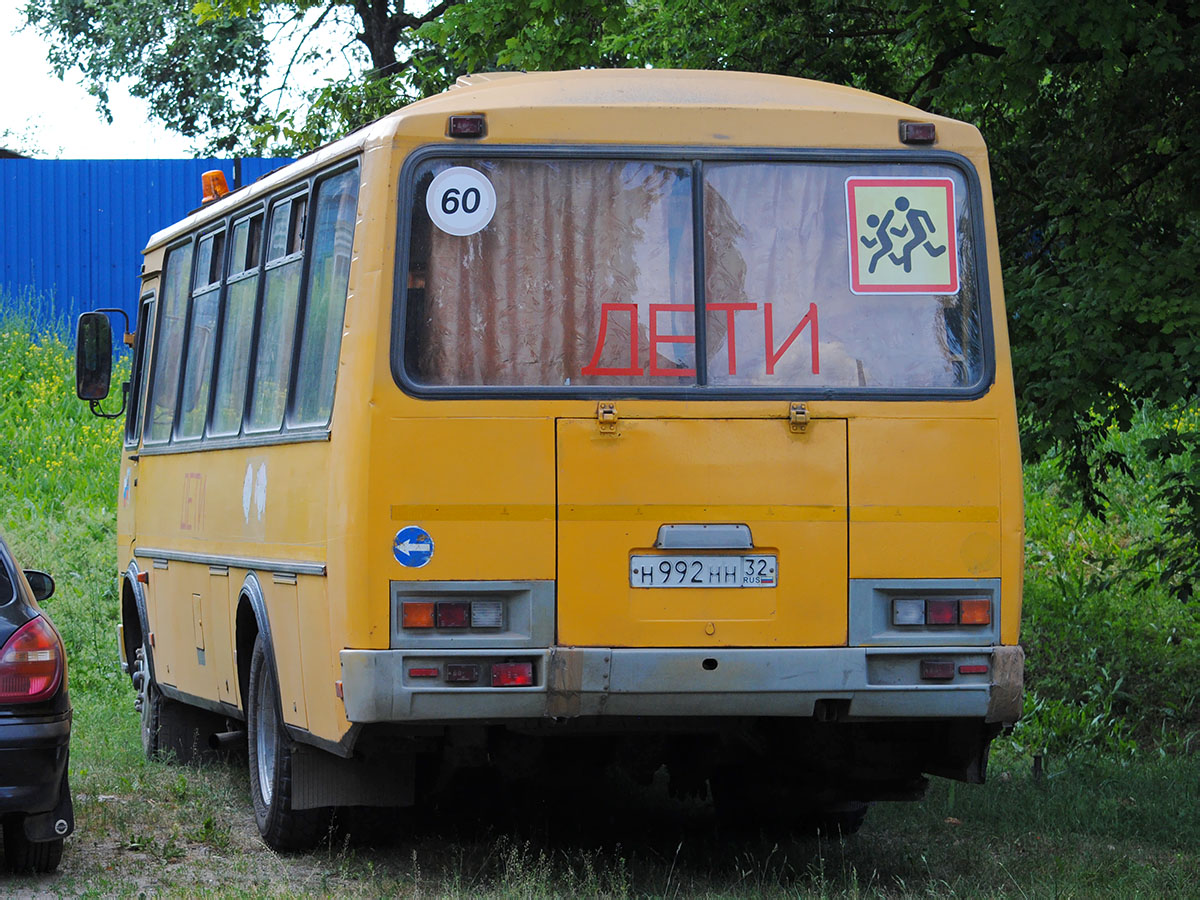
pixel 287 566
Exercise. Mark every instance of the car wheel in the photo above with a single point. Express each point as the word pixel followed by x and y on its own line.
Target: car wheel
pixel 171 731
pixel 270 750
pixel 23 855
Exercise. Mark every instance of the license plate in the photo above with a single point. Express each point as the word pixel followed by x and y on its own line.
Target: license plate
pixel 678 571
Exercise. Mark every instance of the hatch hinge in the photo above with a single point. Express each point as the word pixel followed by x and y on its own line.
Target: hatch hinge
pixel 797 418
pixel 606 416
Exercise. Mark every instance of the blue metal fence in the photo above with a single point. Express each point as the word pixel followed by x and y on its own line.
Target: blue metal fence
pixel 72 231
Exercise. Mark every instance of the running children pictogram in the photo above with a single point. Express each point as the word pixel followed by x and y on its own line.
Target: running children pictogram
pixel 902 235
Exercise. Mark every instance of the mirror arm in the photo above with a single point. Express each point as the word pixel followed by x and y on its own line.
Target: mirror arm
pixel 94 405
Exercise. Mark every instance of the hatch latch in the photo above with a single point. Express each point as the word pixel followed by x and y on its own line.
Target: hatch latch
pixel 797 418
pixel 606 416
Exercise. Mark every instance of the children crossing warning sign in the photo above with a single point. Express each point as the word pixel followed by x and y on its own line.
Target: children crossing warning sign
pixel 903 237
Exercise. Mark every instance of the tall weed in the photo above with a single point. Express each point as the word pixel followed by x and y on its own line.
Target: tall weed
pixel 58 488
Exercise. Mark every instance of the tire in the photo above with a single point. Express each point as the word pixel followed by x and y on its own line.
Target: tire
pixel 840 819
pixel 270 751
pixel 171 731
pixel 24 856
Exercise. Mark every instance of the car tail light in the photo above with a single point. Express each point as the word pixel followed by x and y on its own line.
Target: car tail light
pixel 32 663
pixel 518 674
pixel 454 614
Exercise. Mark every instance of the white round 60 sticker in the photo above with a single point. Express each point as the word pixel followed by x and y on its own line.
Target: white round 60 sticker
pixel 461 201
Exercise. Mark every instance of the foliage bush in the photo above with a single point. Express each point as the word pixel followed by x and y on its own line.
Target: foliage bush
pixel 1112 655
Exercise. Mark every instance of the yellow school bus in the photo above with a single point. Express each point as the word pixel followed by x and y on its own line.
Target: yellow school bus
pixel 654 417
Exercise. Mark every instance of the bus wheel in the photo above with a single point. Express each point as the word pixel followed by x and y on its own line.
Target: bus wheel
pixel 270 749
pixel 23 856
pixel 171 731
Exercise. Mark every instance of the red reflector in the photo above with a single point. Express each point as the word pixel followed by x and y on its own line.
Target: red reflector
pixel 975 611
pixel 454 614
pixel 423 672
pixel 512 674
pixel 462 672
pixel 31 665
pixel 937 669
pixel 338 689
pixel 918 132
pixel 416 614
pixel 466 126
pixel 972 670
pixel 143 577
pixel 941 612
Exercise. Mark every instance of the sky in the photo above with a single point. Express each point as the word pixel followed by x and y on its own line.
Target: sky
pixel 59 118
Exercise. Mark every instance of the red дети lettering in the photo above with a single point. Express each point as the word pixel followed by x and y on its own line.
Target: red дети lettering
pixel 773 356
pixel 594 367
pixel 656 338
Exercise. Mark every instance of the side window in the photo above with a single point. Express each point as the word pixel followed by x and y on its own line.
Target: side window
pixel 325 298
pixel 237 328
pixel 168 345
pixel 277 327
pixel 206 294
pixel 137 378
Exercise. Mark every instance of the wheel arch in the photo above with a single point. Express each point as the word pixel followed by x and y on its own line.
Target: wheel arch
pixel 251 621
pixel 135 619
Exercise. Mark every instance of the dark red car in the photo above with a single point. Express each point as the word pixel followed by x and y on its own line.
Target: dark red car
pixel 35 724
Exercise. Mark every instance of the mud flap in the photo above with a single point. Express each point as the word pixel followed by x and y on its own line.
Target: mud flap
pixel 57 823
pixel 321 779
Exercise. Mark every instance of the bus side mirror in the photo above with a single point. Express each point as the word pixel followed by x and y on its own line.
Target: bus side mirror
pixel 93 356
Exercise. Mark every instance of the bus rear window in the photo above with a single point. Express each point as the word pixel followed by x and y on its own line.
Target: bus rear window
pixel 578 273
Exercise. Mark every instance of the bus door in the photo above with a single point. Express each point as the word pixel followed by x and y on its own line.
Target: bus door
pixel 135 403
pixel 701 532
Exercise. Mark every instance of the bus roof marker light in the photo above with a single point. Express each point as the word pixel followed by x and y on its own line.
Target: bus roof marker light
pixel 473 126
pixel 214 185
pixel 918 133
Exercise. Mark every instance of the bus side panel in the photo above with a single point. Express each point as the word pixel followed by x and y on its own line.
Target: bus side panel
pixel 283 608
pixel 924 498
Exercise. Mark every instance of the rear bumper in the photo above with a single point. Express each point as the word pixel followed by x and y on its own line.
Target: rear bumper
pixel 866 683
pixel 33 762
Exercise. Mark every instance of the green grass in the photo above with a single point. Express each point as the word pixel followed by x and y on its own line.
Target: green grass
pixel 1113 673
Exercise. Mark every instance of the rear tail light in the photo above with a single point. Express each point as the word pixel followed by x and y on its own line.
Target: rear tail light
pixel 908 611
pixel 487 614
pixel 518 674
pixel 453 614
pixel 417 614
pixel 941 612
pixel 975 611
pixel 32 663
pixel 423 672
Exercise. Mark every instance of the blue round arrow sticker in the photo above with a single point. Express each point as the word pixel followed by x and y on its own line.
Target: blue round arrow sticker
pixel 413 547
